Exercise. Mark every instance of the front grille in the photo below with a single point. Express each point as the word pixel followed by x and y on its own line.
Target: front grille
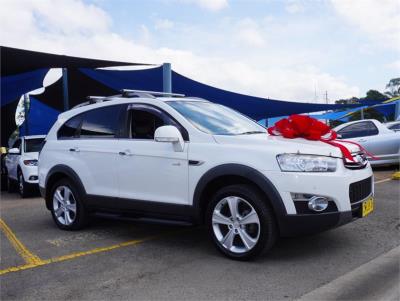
pixel 360 190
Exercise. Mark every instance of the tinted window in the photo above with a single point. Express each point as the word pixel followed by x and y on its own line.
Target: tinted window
pixel 102 122
pixel 145 119
pixel 360 129
pixel 33 145
pixel 70 128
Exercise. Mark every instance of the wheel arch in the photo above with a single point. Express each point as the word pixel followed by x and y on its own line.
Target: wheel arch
pixel 57 173
pixel 227 174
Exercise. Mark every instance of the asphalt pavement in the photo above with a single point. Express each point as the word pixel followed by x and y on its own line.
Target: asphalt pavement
pixel 117 260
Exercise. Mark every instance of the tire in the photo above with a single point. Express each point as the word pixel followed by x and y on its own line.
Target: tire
pixel 24 188
pixel 11 185
pixel 4 184
pixel 253 231
pixel 68 214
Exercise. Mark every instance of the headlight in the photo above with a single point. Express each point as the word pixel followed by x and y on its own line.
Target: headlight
pixel 306 163
pixel 31 162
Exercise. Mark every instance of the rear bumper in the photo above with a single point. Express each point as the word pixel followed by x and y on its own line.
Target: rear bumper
pixel 296 225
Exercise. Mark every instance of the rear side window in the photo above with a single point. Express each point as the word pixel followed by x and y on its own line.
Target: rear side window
pixel 70 129
pixel 101 122
pixel 360 129
pixel 33 145
pixel 98 123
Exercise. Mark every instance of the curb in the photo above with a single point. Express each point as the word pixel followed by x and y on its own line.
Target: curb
pixel 377 279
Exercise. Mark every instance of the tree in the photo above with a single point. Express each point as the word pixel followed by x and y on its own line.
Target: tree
pixel 375 95
pixel 393 87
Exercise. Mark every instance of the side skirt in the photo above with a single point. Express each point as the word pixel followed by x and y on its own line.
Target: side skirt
pixel 139 208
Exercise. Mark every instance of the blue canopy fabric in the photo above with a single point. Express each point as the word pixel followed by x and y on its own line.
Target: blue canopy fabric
pixel 13 86
pixel 40 118
pixel 254 107
pixel 147 79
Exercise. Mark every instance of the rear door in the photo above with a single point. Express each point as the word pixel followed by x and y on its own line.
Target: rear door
pixel 92 150
pixel 150 170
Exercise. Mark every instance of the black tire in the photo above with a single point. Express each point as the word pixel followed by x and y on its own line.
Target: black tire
pixel 268 230
pixel 24 188
pixel 11 185
pixel 81 218
pixel 4 184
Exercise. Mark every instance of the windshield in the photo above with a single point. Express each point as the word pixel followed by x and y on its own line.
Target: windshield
pixel 216 119
pixel 33 145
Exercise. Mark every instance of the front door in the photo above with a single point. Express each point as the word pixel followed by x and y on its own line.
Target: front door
pixel 150 170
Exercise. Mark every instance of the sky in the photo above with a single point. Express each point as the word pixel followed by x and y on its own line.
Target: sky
pixel 281 49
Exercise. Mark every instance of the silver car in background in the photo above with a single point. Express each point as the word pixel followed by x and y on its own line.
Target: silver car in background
pixel 375 137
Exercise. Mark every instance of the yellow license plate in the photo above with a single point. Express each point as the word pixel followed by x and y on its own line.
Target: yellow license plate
pixel 367 207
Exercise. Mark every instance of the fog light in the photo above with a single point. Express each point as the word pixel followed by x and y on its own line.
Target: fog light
pixel 318 203
pixel 33 178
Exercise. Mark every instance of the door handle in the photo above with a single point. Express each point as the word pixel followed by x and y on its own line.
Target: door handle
pixel 74 149
pixel 125 153
pixel 362 140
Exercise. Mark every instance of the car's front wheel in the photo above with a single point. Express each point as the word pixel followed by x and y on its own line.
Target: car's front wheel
pixel 67 208
pixel 241 222
pixel 23 187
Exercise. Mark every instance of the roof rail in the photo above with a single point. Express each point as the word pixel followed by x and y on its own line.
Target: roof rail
pixel 91 100
pixel 148 94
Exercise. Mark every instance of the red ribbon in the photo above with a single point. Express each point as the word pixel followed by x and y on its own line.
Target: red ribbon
pixel 302 126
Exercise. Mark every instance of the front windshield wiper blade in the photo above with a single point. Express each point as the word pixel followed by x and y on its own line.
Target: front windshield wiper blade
pixel 252 132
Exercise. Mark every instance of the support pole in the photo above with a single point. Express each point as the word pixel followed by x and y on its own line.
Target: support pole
pixel 65 88
pixel 362 113
pixel 167 78
pixel 397 110
pixel 26 113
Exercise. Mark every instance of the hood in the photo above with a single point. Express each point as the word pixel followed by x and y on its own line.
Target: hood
pixel 280 145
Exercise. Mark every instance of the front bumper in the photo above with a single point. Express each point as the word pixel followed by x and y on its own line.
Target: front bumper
pixel 302 224
pixel 31 174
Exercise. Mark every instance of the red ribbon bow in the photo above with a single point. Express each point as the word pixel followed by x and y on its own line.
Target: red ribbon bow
pixel 301 126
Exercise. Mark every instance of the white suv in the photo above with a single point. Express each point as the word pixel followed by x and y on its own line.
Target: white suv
pixel 21 164
pixel 187 159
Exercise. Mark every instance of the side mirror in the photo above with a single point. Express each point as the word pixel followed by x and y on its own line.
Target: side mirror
pixel 169 133
pixel 14 151
pixel 339 136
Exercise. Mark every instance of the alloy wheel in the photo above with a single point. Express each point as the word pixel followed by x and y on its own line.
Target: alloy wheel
pixel 236 224
pixel 64 205
pixel 21 184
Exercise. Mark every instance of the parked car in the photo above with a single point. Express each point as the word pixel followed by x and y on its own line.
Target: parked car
pixel 394 126
pixel 375 137
pixel 187 159
pixel 3 152
pixel 21 164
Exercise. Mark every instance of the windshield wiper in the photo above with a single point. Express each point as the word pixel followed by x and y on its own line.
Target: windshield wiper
pixel 252 132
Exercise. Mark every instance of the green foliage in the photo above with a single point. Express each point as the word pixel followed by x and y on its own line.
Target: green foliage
pixel 375 95
pixel 393 87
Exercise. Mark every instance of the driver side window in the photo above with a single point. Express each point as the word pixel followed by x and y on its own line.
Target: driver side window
pixel 144 124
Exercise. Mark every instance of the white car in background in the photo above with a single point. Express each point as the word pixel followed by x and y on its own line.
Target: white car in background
pixel 22 164
pixel 375 137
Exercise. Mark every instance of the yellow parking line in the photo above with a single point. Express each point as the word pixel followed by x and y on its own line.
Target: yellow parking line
pixel 71 256
pixel 28 256
pixel 382 181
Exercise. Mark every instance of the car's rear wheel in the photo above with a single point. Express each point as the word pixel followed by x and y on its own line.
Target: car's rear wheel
pixel 67 208
pixel 241 223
